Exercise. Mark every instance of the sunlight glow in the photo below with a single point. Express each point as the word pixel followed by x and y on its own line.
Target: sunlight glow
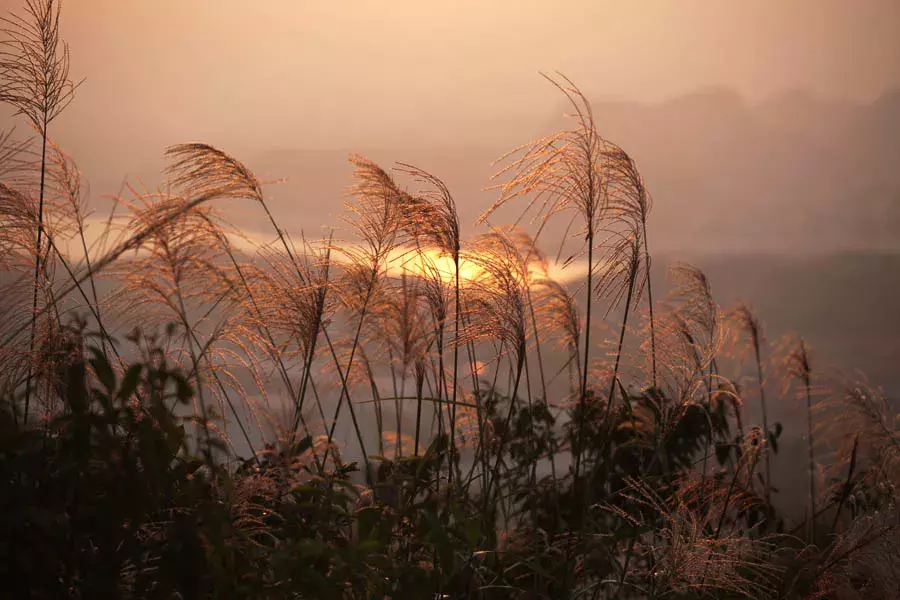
pixel 423 262
pixel 402 261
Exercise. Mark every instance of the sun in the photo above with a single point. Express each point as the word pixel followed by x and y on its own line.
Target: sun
pixel 428 262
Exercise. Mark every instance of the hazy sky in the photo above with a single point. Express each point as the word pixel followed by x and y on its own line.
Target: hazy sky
pixel 295 73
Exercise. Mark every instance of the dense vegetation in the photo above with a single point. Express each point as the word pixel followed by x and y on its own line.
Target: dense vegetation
pixel 170 393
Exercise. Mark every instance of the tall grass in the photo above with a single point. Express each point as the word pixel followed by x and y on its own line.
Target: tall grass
pixel 495 475
pixel 34 67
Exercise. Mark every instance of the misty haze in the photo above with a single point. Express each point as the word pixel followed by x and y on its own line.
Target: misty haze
pixel 477 300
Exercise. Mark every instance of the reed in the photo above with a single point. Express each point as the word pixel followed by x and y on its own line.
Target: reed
pixel 450 339
pixel 34 80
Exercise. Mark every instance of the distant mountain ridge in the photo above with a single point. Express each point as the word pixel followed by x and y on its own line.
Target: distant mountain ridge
pixel 792 174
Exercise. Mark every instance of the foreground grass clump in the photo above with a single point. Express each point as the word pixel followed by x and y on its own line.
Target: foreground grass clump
pixel 398 410
pixel 116 495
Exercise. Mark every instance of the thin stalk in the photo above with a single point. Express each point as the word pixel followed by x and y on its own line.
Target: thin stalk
pixel 77 283
pixel 307 372
pixel 479 410
pixel 306 375
pixel 512 404
pixel 282 368
pixel 845 493
pixel 398 449
pixel 729 494
pixel 182 314
pixel 588 490
pixel 420 379
pixel 812 460
pixel 312 385
pixel 532 481
pixel 537 344
pixel 87 260
pixel 376 398
pixel 615 376
pixel 455 372
pixel 223 391
pixel 393 371
pixel 587 351
pixel 345 392
pixel 442 394
pixel 37 267
pixel 650 302
pixel 481 450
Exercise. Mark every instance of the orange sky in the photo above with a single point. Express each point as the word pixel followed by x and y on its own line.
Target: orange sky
pixel 295 73
pixel 387 78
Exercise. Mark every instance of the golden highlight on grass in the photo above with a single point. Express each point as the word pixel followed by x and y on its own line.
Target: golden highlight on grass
pixel 436 362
